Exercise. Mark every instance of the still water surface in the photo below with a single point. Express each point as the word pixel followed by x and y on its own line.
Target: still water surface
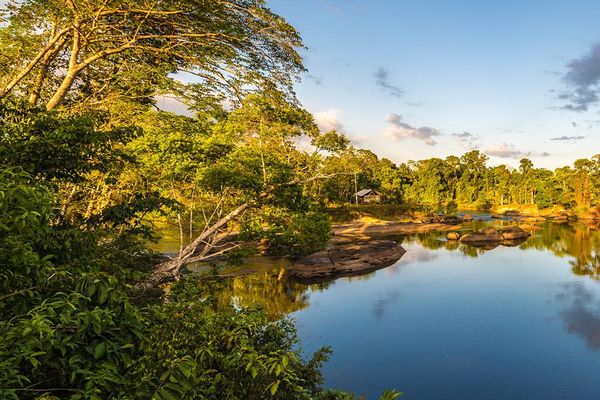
pixel 454 322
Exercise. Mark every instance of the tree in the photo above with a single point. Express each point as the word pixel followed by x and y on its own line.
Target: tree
pixel 89 51
pixel 255 181
pixel 581 182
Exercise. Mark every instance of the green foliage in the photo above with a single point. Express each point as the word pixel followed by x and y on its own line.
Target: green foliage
pixel 286 233
pixel 69 329
pixel 83 178
pixel 132 59
pixel 451 208
pixel 24 213
pixel 198 349
pixel 53 146
pixel 66 321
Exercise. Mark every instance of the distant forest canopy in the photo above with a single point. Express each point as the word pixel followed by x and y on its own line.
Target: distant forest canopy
pixel 466 181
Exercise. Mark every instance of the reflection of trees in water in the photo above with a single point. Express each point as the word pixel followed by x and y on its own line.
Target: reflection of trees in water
pixel 578 240
pixel 272 290
pixel 280 295
pixel 433 241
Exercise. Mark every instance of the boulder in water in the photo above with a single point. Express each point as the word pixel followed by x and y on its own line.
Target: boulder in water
pixel 485 235
pixel 453 236
pixel 347 259
pixel 512 213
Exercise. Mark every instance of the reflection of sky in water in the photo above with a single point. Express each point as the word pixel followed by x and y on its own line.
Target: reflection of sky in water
pixel 581 315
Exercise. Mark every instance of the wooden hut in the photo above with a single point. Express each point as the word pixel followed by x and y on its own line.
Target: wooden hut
pixel 366 196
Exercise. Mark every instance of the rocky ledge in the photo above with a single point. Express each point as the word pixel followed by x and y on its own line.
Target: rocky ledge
pixel 382 228
pixel 347 259
pixel 491 235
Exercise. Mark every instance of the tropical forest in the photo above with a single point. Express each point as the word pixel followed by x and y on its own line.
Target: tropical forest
pixel 204 199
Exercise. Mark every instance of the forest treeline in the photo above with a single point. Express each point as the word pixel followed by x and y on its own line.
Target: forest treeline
pixel 466 181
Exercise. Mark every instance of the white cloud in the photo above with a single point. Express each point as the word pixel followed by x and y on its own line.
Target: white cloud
pixel 397 129
pixel 467 140
pixel 508 150
pixel 329 119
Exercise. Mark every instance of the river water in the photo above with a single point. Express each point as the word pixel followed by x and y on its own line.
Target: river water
pixel 450 321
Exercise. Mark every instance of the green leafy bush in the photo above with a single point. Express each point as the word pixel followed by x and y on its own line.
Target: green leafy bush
pixel 288 233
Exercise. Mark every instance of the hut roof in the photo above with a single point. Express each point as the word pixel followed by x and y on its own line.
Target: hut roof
pixel 365 192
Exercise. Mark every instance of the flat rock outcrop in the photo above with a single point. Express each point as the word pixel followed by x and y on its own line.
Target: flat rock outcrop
pixel 484 235
pixel 489 238
pixel 367 230
pixel 467 218
pixel 347 259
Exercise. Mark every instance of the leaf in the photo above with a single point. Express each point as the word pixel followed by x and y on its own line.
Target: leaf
pixel 99 350
pixel 274 388
pixel 169 395
pixel 103 295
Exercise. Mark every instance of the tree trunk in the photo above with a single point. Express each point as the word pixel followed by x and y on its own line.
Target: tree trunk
pixel 31 66
pixel 62 90
pixel 63 209
pixel 72 72
pixel 180 222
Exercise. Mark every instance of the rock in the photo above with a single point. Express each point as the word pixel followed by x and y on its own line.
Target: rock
pixel 347 259
pixel 467 218
pixel 513 232
pixel 484 235
pixel 356 230
pixel 453 236
pixel 559 218
pixel 317 265
pixel 511 213
pixel 447 219
pixel 527 227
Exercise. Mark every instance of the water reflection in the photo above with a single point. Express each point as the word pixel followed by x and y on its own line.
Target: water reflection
pixel 270 289
pixel 578 240
pixel 279 295
pixel 581 316
pixel 448 315
pixel 381 304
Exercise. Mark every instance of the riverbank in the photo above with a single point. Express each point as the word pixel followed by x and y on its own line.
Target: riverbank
pixel 368 228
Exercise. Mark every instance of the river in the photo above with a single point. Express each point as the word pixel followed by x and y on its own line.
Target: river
pixel 449 321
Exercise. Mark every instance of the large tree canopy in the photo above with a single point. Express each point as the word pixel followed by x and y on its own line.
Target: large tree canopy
pixel 93 50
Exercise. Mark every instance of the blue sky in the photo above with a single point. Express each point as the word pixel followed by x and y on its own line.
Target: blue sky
pixel 418 79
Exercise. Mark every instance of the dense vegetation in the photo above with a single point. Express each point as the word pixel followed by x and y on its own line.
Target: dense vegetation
pixel 90 167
